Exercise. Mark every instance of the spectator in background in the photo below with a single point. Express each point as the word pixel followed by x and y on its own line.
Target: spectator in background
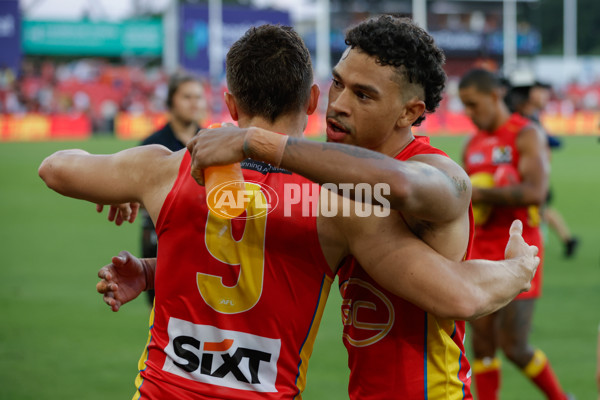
pixel 187 108
pixel 529 98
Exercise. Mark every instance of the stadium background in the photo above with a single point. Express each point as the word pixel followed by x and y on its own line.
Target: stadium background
pixel 89 78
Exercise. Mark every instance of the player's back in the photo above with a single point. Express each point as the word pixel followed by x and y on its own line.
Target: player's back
pixel 238 303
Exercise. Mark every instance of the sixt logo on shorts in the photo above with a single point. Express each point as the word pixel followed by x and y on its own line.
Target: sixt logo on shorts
pixel 219 357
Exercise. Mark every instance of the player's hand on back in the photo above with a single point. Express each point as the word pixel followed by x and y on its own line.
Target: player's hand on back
pixel 517 248
pixel 122 280
pixel 120 213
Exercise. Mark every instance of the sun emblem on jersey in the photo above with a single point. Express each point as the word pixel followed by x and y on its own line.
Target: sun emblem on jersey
pixel 367 314
pixel 502 155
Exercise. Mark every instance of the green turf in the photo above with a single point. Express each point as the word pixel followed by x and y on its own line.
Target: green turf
pixel 59 341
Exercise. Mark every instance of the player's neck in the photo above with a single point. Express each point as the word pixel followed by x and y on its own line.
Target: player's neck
pixel 395 142
pixel 183 130
pixel 503 117
pixel 291 125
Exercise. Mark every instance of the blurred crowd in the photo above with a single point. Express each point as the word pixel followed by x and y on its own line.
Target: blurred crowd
pixel 93 87
pixel 100 90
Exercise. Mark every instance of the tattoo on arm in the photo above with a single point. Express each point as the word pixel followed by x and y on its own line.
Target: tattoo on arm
pixel 460 185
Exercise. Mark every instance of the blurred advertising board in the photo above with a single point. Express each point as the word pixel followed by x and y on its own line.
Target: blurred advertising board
pixel 194 35
pixel 86 38
pixel 10 35
pixel 129 126
pixel 35 127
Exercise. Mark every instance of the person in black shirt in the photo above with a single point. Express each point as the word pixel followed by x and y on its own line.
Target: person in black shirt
pixel 187 106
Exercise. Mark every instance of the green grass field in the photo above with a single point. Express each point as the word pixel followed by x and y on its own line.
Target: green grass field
pixel 59 341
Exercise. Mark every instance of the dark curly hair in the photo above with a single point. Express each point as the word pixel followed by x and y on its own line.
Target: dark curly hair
pixel 402 44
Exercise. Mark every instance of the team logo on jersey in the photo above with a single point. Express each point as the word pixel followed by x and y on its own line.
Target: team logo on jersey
pixel 367 313
pixel 501 155
pixel 232 359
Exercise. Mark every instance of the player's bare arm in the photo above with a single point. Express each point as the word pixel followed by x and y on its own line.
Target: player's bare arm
pixel 534 168
pixel 417 187
pixel 406 266
pixel 141 174
pixel 399 261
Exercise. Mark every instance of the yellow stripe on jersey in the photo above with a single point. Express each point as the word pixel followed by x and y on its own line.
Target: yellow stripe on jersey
pixel 307 346
pixel 443 361
pixel 142 361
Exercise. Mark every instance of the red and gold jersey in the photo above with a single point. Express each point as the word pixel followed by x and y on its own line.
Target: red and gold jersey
pixel 395 349
pixel 238 302
pixel 486 152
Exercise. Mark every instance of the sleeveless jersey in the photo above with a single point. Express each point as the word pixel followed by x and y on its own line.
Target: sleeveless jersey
pixel 238 302
pixel 485 152
pixel 395 349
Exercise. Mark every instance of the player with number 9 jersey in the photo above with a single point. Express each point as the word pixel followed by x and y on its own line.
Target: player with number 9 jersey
pixel 238 302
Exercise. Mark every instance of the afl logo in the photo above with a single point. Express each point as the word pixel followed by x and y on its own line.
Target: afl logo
pixel 367 314
pixel 229 200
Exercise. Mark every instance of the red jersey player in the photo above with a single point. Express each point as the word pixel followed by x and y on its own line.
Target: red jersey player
pixel 238 302
pixel 381 87
pixel 506 142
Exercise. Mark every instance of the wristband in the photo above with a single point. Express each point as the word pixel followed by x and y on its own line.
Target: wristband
pixel 263 145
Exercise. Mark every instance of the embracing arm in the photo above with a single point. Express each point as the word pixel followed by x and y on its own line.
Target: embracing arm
pixel 427 187
pixel 409 268
pixel 533 169
pixel 127 176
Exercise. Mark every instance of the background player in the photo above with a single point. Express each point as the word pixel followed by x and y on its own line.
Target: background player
pixel 512 143
pixel 529 98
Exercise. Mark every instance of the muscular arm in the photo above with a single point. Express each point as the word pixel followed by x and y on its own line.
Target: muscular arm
pixel 533 169
pixel 134 175
pixel 409 268
pixel 427 187
pixel 417 187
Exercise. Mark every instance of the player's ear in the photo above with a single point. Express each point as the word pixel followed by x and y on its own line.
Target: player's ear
pixel 231 106
pixel 412 110
pixel 498 94
pixel 313 99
